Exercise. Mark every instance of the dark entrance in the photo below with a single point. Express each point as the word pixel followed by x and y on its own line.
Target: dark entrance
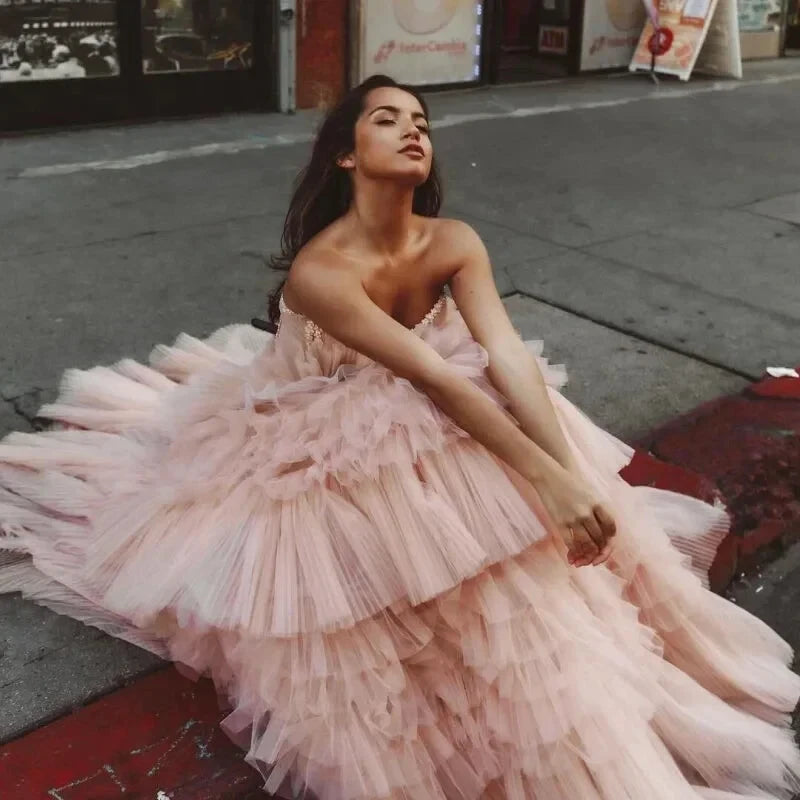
pixel 532 39
pixel 792 41
pixel 84 61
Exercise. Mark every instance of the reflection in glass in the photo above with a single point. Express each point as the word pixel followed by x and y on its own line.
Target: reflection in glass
pixel 192 35
pixel 58 40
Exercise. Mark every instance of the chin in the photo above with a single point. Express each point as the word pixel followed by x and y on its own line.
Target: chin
pixel 414 176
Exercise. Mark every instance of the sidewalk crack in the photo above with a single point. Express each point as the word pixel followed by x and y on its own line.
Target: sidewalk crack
pixel 18 405
pixel 652 340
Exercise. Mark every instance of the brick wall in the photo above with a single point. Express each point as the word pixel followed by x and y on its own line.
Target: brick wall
pixel 321 51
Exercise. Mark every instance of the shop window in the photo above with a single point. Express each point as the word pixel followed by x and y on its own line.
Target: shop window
pixel 759 15
pixel 58 40
pixel 196 35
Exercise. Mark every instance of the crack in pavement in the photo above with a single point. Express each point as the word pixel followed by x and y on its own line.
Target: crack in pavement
pixel 15 402
pixel 651 340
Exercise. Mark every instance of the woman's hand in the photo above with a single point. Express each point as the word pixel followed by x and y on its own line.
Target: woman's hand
pixel 583 522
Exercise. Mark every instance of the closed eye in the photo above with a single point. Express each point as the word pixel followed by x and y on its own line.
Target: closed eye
pixel 421 128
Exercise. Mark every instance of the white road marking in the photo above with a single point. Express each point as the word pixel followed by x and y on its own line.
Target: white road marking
pixel 448 121
pixel 161 156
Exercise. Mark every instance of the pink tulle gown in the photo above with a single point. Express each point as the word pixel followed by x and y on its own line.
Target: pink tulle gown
pixel 378 596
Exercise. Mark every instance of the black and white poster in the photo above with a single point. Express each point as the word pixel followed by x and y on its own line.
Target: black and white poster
pixel 197 35
pixel 57 40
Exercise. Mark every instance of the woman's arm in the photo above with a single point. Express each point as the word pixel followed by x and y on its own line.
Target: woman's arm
pixel 516 375
pixel 512 369
pixel 334 298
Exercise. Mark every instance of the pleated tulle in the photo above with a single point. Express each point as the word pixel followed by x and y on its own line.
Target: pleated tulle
pixel 377 597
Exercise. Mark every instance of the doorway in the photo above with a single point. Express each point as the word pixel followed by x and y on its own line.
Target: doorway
pixel 792 41
pixel 532 39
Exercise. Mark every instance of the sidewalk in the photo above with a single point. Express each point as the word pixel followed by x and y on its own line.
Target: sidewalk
pixel 648 235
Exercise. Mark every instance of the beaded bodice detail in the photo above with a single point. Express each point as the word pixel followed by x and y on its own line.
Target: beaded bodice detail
pixel 313 333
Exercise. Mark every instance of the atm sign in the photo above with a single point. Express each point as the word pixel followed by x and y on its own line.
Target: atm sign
pixel 553 40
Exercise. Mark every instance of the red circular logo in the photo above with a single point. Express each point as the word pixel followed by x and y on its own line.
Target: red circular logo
pixel 661 41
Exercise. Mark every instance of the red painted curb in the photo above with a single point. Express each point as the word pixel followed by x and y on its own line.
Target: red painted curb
pixel 160 734
pixel 747 446
pixel 778 387
pixel 788 388
pixel 646 470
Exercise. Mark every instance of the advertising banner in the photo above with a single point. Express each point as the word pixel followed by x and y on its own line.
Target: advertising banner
pixel 421 42
pixel 611 31
pixel 702 33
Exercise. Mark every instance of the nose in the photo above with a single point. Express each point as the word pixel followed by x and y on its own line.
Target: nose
pixel 412 131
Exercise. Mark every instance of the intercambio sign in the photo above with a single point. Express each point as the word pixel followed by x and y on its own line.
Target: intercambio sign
pixel 421 41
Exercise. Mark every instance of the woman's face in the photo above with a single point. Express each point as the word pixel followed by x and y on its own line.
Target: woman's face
pixel 391 139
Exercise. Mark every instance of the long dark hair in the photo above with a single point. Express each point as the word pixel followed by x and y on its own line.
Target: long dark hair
pixel 323 190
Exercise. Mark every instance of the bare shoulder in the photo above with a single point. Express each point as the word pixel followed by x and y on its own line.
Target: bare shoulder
pixel 454 231
pixel 457 237
pixel 317 269
pixel 474 290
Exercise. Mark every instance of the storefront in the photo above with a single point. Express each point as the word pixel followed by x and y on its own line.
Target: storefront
pixel 760 28
pixel 463 42
pixel 77 61
pixel 612 28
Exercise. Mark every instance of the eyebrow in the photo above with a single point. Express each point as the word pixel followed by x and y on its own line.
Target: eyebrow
pixel 396 110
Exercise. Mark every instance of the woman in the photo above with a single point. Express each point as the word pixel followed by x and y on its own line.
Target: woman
pixel 407 560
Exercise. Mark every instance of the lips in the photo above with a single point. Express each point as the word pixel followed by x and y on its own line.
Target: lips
pixel 413 149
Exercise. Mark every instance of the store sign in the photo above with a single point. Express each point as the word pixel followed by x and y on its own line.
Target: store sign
pixel 611 31
pixel 57 40
pixel 553 40
pixel 421 42
pixel 691 33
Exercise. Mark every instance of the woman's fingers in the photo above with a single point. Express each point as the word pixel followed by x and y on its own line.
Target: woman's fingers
pixel 583 547
pixel 595 532
pixel 603 555
pixel 588 540
pixel 605 521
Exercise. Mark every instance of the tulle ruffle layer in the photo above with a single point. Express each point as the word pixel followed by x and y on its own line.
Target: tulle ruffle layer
pixel 520 678
pixel 325 496
pixel 377 597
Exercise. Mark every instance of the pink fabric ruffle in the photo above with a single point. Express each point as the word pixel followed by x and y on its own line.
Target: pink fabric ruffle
pixel 377 597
